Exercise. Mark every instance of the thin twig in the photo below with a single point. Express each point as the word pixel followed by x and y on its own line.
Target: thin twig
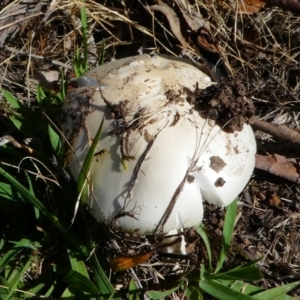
pixel 280 131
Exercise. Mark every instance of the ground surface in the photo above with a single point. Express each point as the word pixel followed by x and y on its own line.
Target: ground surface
pixel 260 50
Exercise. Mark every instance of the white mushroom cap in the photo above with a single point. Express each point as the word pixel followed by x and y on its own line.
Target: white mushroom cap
pixel 170 155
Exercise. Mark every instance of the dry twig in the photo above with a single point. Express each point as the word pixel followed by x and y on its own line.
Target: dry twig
pixel 280 131
pixel 172 19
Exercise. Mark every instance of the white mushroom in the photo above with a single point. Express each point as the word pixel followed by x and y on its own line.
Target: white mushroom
pixel 157 157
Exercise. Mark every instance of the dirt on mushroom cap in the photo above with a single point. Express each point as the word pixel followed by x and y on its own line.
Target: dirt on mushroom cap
pixel 226 103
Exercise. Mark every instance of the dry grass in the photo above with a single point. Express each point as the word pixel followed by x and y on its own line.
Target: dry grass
pixel 260 49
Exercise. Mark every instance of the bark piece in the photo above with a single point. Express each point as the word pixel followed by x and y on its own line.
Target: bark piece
pixel 279 165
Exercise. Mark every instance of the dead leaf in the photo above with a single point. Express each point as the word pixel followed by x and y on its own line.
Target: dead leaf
pixel 206 40
pixel 250 6
pixel 123 263
pixel 274 200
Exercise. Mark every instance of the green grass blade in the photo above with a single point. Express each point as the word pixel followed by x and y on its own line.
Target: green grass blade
pixel 241 286
pixel 37 289
pixel 82 178
pixel 67 294
pixel 17 274
pixel 248 289
pixel 16 249
pixel 4 290
pixel 12 152
pixel 55 141
pixel 19 123
pixel 63 91
pixel 17 105
pixel 102 281
pixel 31 199
pixel 31 191
pixel 40 95
pixel 50 290
pixel 8 195
pixel 276 293
pixel 11 99
pixel 227 232
pixel 2 242
pixel 222 292
pixel 80 282
pixel 133 291
pixel 77 264
pixel 77 63
pixel 247 272
pixel 193 293
pixel 29 128
pixel 155 295
pixel 204 235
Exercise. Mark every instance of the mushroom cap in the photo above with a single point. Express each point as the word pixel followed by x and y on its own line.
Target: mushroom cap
pixel 157 157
